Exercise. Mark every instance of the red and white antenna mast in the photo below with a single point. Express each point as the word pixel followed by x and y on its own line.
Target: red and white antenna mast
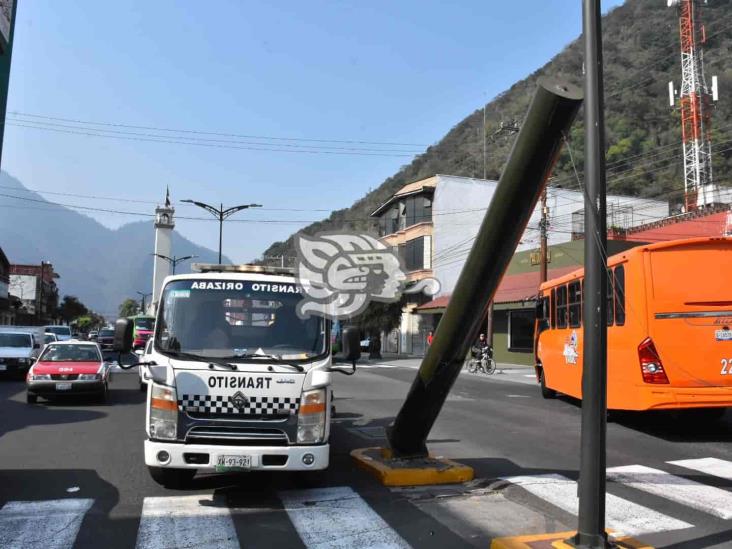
pixel 696 108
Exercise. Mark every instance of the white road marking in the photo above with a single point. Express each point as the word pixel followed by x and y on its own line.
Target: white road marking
pixel 518 396
pixel 623 516
pixel 186 521
pixel 337 518
pixel 530 375
pixel 708 499
pixel 711 466
pixel 47 524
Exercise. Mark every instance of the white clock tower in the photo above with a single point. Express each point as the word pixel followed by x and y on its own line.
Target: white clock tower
pixel 164 224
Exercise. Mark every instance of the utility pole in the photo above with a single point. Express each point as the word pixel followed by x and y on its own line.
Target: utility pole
pixel 591 516
pixel 220 213
pixel 175 260
pixel 39 312
pixel 7 34
pixel 543 226
pixel 485 147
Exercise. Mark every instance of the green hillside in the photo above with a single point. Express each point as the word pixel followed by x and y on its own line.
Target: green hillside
pixel 641 51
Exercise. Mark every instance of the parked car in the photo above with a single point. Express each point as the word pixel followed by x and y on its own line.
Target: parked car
pixel 63 333
pixel 68 367
pixel 105 338
pixel 18 349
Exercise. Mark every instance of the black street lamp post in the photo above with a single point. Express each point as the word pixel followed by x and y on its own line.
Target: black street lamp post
pixel 220 213
pixel 143 295
pixel 174 260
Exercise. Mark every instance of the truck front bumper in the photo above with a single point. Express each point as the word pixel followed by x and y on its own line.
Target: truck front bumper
pixel 205 456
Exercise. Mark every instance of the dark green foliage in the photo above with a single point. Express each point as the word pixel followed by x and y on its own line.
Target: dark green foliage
pixel 641 54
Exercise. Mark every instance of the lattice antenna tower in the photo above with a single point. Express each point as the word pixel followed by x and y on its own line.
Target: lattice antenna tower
pixel 695 101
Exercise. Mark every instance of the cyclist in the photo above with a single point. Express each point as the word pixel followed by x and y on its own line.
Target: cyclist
pixel 480 350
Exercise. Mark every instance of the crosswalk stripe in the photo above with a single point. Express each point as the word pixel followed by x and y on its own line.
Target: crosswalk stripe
pixel 47 524
pixel 708 499
pixel 623 516
pixel 186 521
pixel 337 518
pixel 711 466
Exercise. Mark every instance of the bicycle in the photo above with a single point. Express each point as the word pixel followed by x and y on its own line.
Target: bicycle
pixel 485 364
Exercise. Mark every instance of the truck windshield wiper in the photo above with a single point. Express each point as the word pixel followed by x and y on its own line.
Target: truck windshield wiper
pixel 276 358
pixel 192 356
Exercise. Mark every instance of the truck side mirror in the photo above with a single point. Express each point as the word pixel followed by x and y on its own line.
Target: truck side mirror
pixel 122 335
pixel 351 344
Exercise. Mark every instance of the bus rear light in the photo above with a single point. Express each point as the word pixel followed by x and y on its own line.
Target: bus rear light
pixel 650 363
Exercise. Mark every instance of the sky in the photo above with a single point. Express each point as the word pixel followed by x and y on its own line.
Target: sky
pixel 306 84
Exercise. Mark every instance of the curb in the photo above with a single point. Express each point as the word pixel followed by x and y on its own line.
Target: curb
pixel 410 472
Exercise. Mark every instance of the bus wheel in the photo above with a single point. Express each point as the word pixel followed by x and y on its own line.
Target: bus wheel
pixel 546 392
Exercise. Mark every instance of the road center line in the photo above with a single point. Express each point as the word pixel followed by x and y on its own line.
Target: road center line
pixel 337 518
pixel 47 524
pixel 708 499
pixel 623 516
pixel 186 521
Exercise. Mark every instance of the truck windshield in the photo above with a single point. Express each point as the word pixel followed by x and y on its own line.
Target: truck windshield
pixel 230 319
pixel 15 340
pixel 144 323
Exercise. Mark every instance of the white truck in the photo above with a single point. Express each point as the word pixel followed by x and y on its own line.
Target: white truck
pixel 235 379
pixel 19 347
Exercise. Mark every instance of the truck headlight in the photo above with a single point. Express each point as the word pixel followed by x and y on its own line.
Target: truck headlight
pixel 163 413
pixel 90 377
pixel 25 361
pixel 311 417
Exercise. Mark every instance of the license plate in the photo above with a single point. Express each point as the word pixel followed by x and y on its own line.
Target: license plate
pixel 3 367
pixel 234 462
pixel 723 335
pixel 63 386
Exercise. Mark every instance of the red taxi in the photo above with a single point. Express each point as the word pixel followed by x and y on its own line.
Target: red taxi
pixel 68 367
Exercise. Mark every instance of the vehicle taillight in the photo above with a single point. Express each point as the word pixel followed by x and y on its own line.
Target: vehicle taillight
pixel 650 363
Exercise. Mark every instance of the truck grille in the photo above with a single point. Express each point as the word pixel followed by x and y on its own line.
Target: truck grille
pixel 250 407
pixel 236 436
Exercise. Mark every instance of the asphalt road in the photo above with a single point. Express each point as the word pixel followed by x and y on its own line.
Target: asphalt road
pixel 72 475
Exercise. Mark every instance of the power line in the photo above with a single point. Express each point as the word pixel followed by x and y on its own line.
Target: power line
pixel 221 134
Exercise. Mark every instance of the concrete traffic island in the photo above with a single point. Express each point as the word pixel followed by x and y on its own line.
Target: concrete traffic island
pixel 392 471
pixel 558 541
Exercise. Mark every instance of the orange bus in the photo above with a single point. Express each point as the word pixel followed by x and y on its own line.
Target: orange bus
pixel 669 330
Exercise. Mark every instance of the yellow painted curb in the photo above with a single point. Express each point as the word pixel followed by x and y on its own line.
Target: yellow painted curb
pixel 557 541
pixel 410 472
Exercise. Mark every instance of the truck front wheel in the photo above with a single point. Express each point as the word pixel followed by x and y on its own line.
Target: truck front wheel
pixel 172 478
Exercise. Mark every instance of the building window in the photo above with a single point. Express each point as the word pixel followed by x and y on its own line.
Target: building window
pixel 562 307
pixel 414 254
pixel 418 209
pixel 619 295
pixel 521 330
pixel 575 304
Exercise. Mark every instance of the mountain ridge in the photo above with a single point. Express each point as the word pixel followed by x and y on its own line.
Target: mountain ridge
pixel 70 240
pixel 643 135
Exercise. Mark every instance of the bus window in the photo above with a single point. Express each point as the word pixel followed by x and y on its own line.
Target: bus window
pixel 610 314
pixel 575 304
pixel 553 309
pixel 562 307
pixel 619 295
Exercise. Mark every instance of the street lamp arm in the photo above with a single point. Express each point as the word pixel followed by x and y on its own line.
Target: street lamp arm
pixel 165 257
pixel 230 211
pixel 179 259
pixel 213 211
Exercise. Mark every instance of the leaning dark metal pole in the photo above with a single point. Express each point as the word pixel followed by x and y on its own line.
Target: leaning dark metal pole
pixel 534 152
pixel 591 519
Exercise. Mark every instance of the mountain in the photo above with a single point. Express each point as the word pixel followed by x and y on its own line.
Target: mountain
pixel 641 54
pixel 99 265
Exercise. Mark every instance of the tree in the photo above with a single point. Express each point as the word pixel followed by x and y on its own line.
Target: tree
pixel 129 307
pixel 377 318
pixel 71 308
